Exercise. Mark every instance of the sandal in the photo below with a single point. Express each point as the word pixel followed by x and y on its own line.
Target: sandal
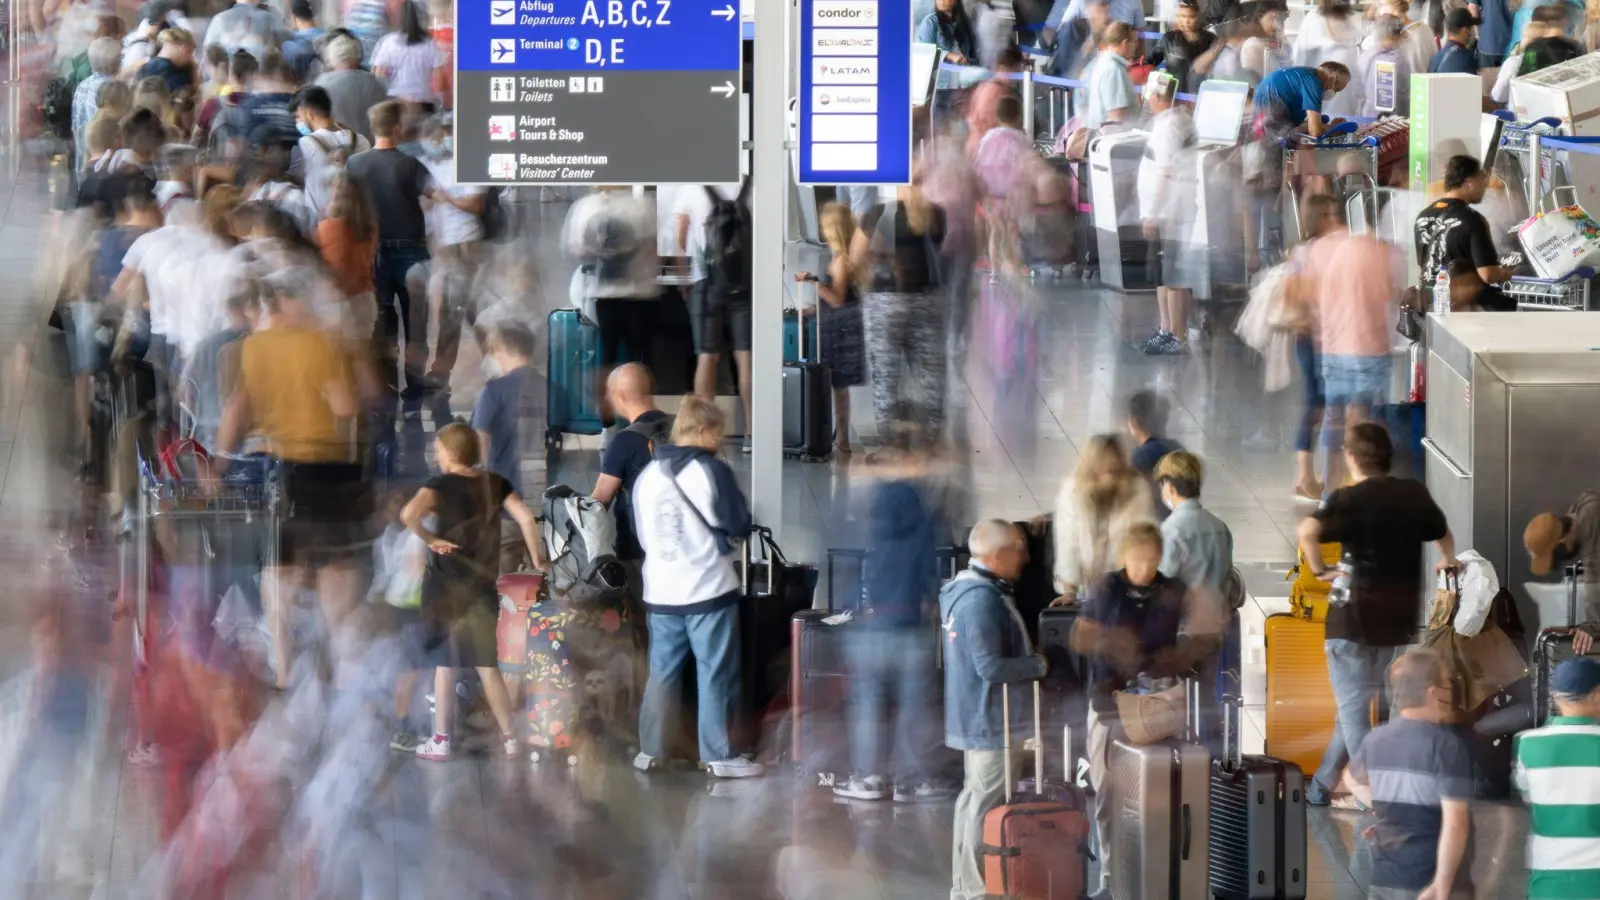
pixel 1350 803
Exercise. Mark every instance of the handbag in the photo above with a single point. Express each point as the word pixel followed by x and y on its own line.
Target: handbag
pixel 1446 595
pixel 773 575
pixel 1560 242
pixel 1410 324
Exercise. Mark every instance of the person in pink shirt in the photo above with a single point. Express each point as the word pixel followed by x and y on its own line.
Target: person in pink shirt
pixel 1354 283
pixel 983 107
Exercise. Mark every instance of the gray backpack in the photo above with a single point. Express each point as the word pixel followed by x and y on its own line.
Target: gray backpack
pixel 580 540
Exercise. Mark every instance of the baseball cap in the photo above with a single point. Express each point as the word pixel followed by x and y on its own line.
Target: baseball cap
pixel 1541 538
pixel 1577 677
pixel 1459 18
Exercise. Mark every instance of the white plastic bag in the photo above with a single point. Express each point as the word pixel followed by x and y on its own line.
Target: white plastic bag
pixel 1560 241
pixel 1255 326
pixel 1479 586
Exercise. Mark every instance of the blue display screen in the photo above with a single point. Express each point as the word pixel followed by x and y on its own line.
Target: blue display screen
pixel 598 35
pixel 855 91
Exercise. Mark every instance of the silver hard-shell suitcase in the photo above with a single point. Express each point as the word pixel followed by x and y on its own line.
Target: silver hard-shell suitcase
pixel 1161 821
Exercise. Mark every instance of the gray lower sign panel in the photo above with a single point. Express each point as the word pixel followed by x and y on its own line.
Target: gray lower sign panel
pixel 540 128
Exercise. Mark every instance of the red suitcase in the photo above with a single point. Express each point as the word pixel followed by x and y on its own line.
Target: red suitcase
pixel 1035 847
pixel 519 591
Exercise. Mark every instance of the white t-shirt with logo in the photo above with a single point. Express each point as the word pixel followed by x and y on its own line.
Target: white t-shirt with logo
pixel 450 224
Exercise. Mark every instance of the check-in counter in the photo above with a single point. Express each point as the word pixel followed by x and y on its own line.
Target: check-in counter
pixel 1513 429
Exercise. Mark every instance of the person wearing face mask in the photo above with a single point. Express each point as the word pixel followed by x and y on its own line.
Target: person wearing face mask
pixel 324 144
pixel 457 235
pixel 1197 549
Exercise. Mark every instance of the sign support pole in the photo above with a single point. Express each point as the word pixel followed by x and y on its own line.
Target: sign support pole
pixel 769 174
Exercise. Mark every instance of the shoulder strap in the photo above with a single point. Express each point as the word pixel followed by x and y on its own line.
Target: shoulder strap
pixel 690 503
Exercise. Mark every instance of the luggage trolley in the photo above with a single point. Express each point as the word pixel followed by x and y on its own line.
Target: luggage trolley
pixel 251 495
pixel 1327 157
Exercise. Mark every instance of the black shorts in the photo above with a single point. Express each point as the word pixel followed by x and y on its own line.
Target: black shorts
pixel 719 319
pixel 627 327
pixel 327 513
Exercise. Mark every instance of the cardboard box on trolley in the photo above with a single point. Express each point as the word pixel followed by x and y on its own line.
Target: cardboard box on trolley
pixel 1569 91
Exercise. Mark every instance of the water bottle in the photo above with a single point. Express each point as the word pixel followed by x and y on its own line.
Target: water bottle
pixel 1441 293
pixel 1339 592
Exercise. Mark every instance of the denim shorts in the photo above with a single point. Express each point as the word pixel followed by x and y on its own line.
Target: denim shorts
pixel 88 342
pixel 1360 380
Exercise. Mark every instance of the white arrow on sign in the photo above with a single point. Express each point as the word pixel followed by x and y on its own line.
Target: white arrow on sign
pixel 725 89
pixel 727 13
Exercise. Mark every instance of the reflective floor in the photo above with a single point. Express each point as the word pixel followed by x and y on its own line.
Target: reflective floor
pixel 1025 407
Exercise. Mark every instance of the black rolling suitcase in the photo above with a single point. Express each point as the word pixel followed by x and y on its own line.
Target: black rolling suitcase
pixel 1258 822
pixel 1554 646
pixel 808 401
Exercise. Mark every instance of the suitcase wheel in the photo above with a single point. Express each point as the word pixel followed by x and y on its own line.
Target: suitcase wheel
pixel 537 756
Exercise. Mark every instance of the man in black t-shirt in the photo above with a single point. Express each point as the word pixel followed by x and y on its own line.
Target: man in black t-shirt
pixel 1381 523
pixel 630 391
pixel 1450 229
pixel 1185 50
pixel 396 184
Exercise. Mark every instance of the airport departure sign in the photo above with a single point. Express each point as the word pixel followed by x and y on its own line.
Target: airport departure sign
pixel 552 92
pixel 855 91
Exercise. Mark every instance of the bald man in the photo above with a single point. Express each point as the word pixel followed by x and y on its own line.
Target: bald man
pixel 630 392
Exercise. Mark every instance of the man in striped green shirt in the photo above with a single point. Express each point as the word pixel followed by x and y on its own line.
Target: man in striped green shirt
pixel 1558 772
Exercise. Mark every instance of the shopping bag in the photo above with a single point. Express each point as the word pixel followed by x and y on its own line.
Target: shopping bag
pixel 1446 596
pixel 1479 587
pixel 1560 241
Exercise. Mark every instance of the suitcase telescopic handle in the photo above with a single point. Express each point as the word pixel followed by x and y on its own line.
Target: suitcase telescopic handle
pixel 1038 739
pixel 1191 699
pixel 1232 746
pixel 1572 573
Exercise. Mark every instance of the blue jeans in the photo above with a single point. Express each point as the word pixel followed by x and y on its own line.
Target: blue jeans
pixel 1360 382
pixel 395 309
pixel 1357 673
pixel 887 662
pixel 1305 351
pixel 713 639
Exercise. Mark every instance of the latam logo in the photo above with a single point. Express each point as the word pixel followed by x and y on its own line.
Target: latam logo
pixel 844 71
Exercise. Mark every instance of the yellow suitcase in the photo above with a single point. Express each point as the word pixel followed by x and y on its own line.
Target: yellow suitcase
pixel 1300 710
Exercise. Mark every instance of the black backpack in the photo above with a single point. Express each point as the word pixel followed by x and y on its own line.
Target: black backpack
pixel 56 105
pixel 728 240
pixel 496 221
pixel 655 431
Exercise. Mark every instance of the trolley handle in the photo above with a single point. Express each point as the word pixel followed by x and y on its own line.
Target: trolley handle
pixel 1582 273
pixel 1513 125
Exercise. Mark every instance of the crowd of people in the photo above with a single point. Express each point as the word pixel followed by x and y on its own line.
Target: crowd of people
pixel 264 275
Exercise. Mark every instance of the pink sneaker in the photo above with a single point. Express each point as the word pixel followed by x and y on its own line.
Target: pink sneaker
pixel 434 749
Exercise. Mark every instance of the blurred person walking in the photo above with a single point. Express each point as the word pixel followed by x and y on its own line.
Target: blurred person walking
pixel 458 250
pixel 325 145
pixel 986 649
pixel 1381 522
pixel 1416 773
pixel 689 512
pixel 1128 631
pixel 247 25
pixel 887 648
pixel 1353 284
pixel 1099 503
pixel 902 308
pixel 1332 32
pixel 610 233
pixel 294 397
pixel 347 237
pixel 949 29
pixel 1323 217
pixel 983 106
pixel 1389 38
pixel 407 58
pixel 1264 51
pixel 840 308
pixel 1166 188
pixel 459 599
pixel 353 90
pixel 105 58
pixel 1113 100
pixel 396 184
pixel 711 220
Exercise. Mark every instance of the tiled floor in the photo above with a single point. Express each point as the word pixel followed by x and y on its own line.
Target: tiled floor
pixel 1035 391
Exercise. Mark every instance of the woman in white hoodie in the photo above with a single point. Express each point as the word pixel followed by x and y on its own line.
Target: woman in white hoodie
pixel 1103 498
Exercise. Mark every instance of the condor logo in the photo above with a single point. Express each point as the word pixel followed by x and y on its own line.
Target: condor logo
pixel 844 71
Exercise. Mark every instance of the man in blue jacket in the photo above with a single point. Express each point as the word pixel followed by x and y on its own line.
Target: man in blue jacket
pixel 986 646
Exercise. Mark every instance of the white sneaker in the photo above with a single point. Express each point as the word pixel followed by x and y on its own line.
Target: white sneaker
pixel 738 767
pixel 857 787
pixel 434 749
pixel 644 762
pixel 511 746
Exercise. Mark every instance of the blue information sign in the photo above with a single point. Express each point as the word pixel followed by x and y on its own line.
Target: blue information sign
pixel 855 91
pixel 597 91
